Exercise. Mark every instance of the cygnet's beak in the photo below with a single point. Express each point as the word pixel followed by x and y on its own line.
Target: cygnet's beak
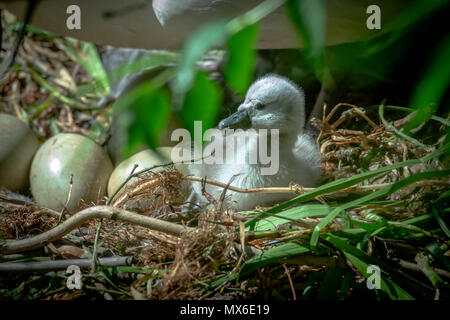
pixel 239 119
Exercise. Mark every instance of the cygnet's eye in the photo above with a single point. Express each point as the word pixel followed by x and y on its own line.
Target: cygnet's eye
pixel 258 105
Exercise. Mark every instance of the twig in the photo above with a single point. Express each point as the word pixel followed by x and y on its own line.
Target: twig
pixel 291 284
pixel 398 132
pixel 9 61
pixel 95 260
pixel 243 190
pixel 28 203
pixel 11 246
pixel 296 190
pixel 44 266
pixel 58 95
pixel 95 250
pixel 357 110
pixel 132 175
pixel 415 267
pixel 64 209
pixel 315 261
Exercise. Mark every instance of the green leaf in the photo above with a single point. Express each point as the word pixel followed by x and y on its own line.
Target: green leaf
pixel 332 281
pixel 212 35
pixel 441 222
pixel 425 221
pixel 409 110
pixel 17 25
pixel 396 131
pixel 207 37
pixel 370 227
pixel 344 183
pixel 202 103
pixel 379 193
pixel 345 286
pixel 310 20
pixel 283 251
pixel 224 279
pixel 424 265
pixel 144 114
pixel 431 89
pixel 146 62
pixel 238 70
pixel 89 59
pixel 442 198
pixel 313 278
pixel 361 261
pixel 312 210
pixel 438 253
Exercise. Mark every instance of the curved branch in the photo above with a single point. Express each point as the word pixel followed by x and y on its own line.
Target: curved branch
pixel 12 246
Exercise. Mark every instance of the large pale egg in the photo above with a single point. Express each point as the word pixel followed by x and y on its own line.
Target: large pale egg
pixel 143 159
pixel 59 158
pixel 18 144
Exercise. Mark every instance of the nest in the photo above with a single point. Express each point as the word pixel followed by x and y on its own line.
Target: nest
pixel 347 152
pixel 187 263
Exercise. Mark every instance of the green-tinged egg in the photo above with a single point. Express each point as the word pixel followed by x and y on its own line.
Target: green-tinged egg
pixel 59 158
pixel 18 144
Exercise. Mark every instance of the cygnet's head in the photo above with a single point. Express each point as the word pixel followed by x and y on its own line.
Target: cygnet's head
pixel 272 102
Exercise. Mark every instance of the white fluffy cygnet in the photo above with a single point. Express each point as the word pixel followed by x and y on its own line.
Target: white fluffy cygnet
pixel 272 102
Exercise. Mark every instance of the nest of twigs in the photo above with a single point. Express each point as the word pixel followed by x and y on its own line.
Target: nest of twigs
pixel 196 255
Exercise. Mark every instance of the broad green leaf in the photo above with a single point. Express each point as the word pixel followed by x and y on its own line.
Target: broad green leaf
pixel 379 193
pixel 371 227
pixel 283 251
pixel 143 114
pixel 441 222
pixel 314 277
pixel 376 218
pixel 432 87
pixel 438 253
pixel 202 103
pixel 442 197
pixel 425 221
pixel 344 183
pixel 345 286
pixel 396 131
pixel 331 283
pixel 224 279
pixel 17 25
pixel 238 70
pixel 309 18
pixel 361 261
pixel 409 110
pixel 424 265
pixel 254 15
pixel 89 59
pixel 130 269
pixel 211 35
pixel 312 210
pixel 151 61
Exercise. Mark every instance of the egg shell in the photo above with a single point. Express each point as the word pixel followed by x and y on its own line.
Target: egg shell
pixel 60 157
pixel 18 144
